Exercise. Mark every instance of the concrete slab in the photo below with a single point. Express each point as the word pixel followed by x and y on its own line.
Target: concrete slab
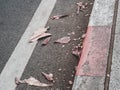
pixel 88 83
pixel 115 68
pixel 102 13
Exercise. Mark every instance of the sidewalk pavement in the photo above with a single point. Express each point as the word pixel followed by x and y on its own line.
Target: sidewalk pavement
pixel 93 67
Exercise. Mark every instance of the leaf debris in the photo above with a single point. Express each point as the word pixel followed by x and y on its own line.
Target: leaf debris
pixel 63 40
pixel 59 16
pixel 32 81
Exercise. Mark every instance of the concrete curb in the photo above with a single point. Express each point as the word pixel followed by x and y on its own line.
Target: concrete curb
pixel 91 69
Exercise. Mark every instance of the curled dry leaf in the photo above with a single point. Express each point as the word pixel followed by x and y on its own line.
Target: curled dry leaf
pixel 48 76
pixel 63 40
pixel 76 51
pixel 41 36
pixel 32 81
pixel 59 16
pixel 46 41
pixel 80 6
pixel 37 34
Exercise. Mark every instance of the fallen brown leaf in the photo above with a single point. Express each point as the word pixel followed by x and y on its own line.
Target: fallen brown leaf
pixel 48 76
pixel 63 40
pixel 41 36
pixel 59 16
pixel 76 51
pixel 46 41
pixel 32 81
pixel 38 33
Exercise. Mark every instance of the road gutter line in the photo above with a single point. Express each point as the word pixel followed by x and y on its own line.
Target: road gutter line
pixel 108 70
pixel 23 51
pixel 115 63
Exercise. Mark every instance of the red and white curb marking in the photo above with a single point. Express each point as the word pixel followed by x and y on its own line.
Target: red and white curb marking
pixel 91 69
pixel 93 60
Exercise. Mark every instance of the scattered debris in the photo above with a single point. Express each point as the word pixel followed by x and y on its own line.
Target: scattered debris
pixel 68 34
pixel 73 33
pixel 86 4
pixel 74 39
pixel 81 6
pixel 59 16
pixel 72 75
pixel 68 87
pixel 40 33
pixel 108 75
pixel 45 42
pixel 78 27
pixel 70 82
pixel 86 15
pixel 83 36
pixel 76 51
pixel 63 46
pixel 91 3
pixel 78 9
pixel 59 69
pixel 48 76
pixel 32 81
pixel 63 40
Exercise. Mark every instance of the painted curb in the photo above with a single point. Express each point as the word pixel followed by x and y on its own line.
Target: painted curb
pixel 91 70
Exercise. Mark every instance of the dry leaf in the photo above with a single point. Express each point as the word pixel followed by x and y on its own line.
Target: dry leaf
pixel 48 76
pixel 38 33
pixel 46 41
pixel 41 36
pixel 80 6
pixel 58 16
pixel 76 51
pixel 63 40
pixel 32 81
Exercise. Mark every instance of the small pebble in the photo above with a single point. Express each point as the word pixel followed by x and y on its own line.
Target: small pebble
pixel 73 33
pixel 59 69
pixel 108 75
pixel 63 46
pixel 83 36
pixel 70 82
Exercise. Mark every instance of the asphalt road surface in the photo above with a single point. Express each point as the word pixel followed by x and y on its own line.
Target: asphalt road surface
pixel 15 16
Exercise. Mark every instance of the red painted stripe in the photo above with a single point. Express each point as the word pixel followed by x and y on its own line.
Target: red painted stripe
pixel 93 60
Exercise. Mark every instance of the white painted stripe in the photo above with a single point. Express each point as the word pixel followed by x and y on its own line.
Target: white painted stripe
pixel 20 56
pixel 102 13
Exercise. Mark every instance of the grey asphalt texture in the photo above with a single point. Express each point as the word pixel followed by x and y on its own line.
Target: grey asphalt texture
pixel 53 57
pixel 15 15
